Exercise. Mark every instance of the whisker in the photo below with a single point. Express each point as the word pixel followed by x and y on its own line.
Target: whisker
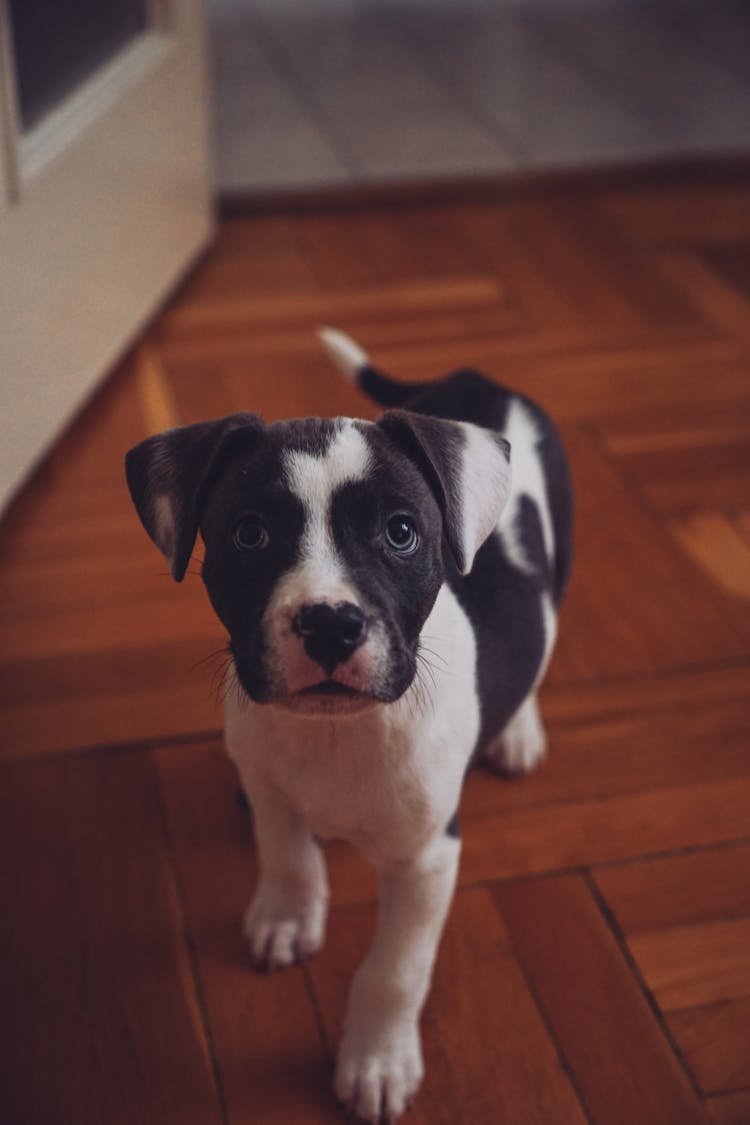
pixel 424 663
pixel 218 654
pixel 434 655
pixel 433 637
pixel 422 697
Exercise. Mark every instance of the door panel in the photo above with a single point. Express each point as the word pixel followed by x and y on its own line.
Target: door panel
pixel 111 204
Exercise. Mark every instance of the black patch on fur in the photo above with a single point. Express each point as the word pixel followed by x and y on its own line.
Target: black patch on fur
pixel 469 396
pixel 180 466
pixel 240 583
pixel 453 828
pixel 436 450
pixel 305 435
pixel 224 471
pixel 401 589
pixel 502 602
pixel 384 390
pixel 504 607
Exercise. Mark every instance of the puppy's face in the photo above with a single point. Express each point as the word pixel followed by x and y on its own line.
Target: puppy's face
pixel 323 540
pixel 323 559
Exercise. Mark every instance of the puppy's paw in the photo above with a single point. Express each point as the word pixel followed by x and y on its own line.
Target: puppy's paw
pixel 379 1071
pixel 282 929
pixel 522 744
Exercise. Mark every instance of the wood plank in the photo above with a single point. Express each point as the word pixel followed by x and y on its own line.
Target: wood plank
pixel 555 836
pixel 715 1042
pixel 98 992
pixel 672 619
pixel 107 699
pixel 417 241
pixel 730 1109
pixel 272 387
pixel 742 522
pixel 259 254
pixel 716 543
pixel 702 213
pixel 626 1071
pixel 479 1011
pixel 699 964
pixel 718 301
pixel 638 695
pixel 625 753
pixel 483 1012
pixel 679 890
pixel 272 1064
pixel 707 474
pixel 497 238
pixel 338 250
pixel 622 263
pixel 69 632
pixel 721 427
pixel 732 262
pixel 248 313
pixel 564 256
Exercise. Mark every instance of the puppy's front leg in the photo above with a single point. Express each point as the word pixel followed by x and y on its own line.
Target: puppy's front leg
pixel 285 920
pixel 380 1060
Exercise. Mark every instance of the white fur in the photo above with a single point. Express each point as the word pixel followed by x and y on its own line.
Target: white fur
pixel 320 576
pixel 527 480
pixel 485 487
pixel 388 781
pixel 522 744
pixel 344 352
pixel 379 1066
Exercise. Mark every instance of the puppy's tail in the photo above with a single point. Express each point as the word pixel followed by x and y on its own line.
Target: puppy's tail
pixel 355 364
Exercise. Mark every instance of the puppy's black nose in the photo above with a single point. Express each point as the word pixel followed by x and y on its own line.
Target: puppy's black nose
pixel 331 633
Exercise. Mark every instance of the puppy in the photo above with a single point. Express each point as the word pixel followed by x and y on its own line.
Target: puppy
pixel 390 590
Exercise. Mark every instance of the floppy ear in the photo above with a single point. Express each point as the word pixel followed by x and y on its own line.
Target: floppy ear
pixel 168 476
pixel 467 468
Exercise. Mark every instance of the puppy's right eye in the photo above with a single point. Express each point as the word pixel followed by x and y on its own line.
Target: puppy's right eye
pixel 250 534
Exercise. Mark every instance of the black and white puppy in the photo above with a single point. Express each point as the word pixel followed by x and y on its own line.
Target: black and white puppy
pixel 390 590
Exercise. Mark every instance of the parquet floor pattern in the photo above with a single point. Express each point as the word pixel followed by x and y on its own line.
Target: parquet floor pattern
pixel 596 964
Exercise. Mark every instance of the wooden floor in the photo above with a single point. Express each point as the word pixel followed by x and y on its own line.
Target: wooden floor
pixel 596 965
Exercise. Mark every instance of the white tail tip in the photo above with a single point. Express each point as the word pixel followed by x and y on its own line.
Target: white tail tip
pixel 346 355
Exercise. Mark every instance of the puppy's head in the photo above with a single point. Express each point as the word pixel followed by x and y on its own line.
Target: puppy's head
pixel 323 540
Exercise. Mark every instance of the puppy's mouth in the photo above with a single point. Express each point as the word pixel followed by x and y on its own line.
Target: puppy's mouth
pixel 331 688
pixel 328 698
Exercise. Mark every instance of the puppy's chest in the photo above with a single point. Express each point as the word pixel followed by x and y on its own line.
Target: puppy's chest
pixel 385 791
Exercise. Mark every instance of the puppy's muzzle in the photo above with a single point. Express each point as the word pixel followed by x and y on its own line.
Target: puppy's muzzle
pixel 330 634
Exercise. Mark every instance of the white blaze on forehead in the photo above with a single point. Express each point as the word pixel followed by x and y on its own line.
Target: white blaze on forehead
pixel 313 479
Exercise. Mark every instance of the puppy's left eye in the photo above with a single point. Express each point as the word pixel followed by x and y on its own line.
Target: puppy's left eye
pixel 250 534
pixel 402 534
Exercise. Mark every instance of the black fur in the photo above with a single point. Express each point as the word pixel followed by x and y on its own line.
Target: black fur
pixel 180 466
pixel 502 603
pixel 401 590
pixel 453 828
pixel 237 462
